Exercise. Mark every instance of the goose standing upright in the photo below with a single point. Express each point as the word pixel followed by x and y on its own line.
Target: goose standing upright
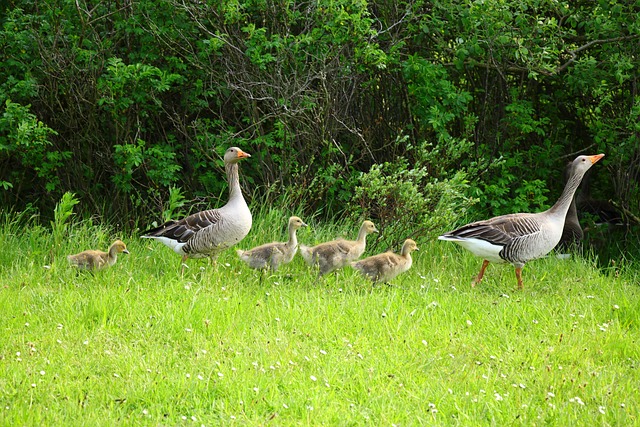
pixel 521 237
pixel 207 233
pixel 97 260
pixel 330 256
pixel 274 254
pixel 386 266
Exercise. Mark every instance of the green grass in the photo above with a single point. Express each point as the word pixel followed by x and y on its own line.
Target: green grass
pixel 139 345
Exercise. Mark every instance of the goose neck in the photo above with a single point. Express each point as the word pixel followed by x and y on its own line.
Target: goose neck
pixel 293 240
pixel 362 234
pixel 234 181
pixel 561 207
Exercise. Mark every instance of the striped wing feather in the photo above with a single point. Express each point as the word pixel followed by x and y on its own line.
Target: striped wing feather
pixel 185 228
pixel 500 230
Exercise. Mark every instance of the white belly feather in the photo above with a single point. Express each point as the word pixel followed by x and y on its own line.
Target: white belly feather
pixel 478 247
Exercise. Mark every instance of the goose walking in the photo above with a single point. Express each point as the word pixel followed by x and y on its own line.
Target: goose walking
pixel 97 260
pixel 521 237
pixel 207 233
pixel 272 255
pixel 330 256
pixel 386 266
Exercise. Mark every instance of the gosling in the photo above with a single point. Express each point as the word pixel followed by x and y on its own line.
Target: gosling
pixel 273 255
pixel 97 260
pixel 386 266
pixel 330 256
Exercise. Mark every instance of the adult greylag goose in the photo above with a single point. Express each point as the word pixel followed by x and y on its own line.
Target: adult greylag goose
pixel 97 260
pixel 521 237
pixel 272 255
pixel 207 233
pixel 330 256
pixel 386 266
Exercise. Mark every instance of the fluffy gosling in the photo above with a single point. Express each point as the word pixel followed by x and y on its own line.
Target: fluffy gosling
pixel 97 260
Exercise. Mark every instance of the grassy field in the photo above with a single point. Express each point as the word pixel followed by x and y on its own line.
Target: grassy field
pixel 140 345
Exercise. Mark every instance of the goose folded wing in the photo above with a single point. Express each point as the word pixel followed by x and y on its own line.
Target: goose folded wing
pixel 500 230
pixel 182 230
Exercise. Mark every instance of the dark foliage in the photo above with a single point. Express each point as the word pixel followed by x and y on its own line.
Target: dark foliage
pixel 122 102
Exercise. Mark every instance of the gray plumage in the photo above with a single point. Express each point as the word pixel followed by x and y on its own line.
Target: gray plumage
pixel 97 260
pixel 330 256
pixel 272 255
pixel 386 266
pixel 207 233
pixel 522 237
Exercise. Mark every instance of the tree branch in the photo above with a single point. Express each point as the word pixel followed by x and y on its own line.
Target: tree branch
pixel 574 52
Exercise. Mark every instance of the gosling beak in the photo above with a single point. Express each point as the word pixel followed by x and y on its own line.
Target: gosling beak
pixel 125 252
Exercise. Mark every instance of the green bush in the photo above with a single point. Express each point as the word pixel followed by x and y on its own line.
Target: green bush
pixel 407 202
pixel 24 137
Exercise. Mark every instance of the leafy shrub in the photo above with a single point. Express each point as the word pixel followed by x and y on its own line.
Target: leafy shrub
pixel 407 202
pixel 25 137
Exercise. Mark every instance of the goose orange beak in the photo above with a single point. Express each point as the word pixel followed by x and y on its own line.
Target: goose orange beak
pixel 595 158
pixel 244 154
